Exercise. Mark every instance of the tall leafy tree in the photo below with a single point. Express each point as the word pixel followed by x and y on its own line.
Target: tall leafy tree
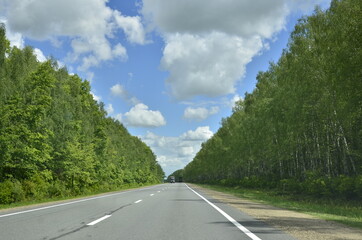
pixel 55 139
pixel 302 123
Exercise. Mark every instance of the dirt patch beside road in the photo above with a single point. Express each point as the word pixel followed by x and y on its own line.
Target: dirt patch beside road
pixel 299 225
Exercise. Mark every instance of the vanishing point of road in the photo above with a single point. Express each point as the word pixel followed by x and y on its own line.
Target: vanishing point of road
pixel 162 212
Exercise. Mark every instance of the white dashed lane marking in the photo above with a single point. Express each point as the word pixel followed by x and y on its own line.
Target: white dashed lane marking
pixel 98 220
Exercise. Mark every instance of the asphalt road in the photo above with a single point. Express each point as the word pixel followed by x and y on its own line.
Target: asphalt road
pixel 166 211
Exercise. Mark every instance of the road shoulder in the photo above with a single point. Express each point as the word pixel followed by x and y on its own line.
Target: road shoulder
pixel 299 225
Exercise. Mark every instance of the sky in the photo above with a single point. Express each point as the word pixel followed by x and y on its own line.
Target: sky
pixel 168 70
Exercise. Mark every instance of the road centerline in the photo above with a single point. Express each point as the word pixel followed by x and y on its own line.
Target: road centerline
pixel 98 220
pixel 228 217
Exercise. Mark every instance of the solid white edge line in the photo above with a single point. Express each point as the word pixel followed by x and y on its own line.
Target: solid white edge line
pixel 138 201
pixel 232 220
pixel 98 220
pixel 72 202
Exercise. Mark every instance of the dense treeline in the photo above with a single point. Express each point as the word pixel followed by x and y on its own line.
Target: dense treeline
pixel 300 130
pixel 55 139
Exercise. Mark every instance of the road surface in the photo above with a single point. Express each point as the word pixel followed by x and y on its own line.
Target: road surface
pixel 166 211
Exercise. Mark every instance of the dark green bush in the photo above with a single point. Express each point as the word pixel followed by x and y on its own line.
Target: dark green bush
pixel 11 191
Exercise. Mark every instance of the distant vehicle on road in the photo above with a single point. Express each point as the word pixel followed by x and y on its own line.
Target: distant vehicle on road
pixel 172 179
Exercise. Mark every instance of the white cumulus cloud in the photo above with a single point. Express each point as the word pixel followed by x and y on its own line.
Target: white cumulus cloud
pixel 174 153
pixel 199 114
pixel 208 43
pixel 90 24
pixel 16 39
pixel 119 117
pixel 243 18
pixel 119 91
pixel 132 27
pixel 233 101
pixel 96 97
pixel 109 109
pixel 208 65
pixel 39 55
pixel 200 134
pixel 141 116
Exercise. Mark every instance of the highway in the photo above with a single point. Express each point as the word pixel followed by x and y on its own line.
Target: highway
pixel 165 211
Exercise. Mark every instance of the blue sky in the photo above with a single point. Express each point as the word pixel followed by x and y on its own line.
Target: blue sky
pixel 168 70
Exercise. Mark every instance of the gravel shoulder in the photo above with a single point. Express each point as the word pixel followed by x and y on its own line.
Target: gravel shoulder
pixel 299 225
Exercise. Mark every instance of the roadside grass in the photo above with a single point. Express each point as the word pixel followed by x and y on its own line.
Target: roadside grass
pixel 52 200
pixel 345 212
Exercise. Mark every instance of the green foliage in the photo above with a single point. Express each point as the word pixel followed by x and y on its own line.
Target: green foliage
pixel 300 130
pixel 55 139
pixel 11 191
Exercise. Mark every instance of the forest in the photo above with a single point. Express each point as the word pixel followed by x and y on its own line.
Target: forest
pixel 55 139
pixel 300 130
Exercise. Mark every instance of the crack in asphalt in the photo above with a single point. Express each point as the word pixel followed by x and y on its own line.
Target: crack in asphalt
pixel 111 212
pixel 68 233
pixel 85 226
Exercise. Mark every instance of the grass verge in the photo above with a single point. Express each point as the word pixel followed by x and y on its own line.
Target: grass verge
pixel 345 212
pixel 29 202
